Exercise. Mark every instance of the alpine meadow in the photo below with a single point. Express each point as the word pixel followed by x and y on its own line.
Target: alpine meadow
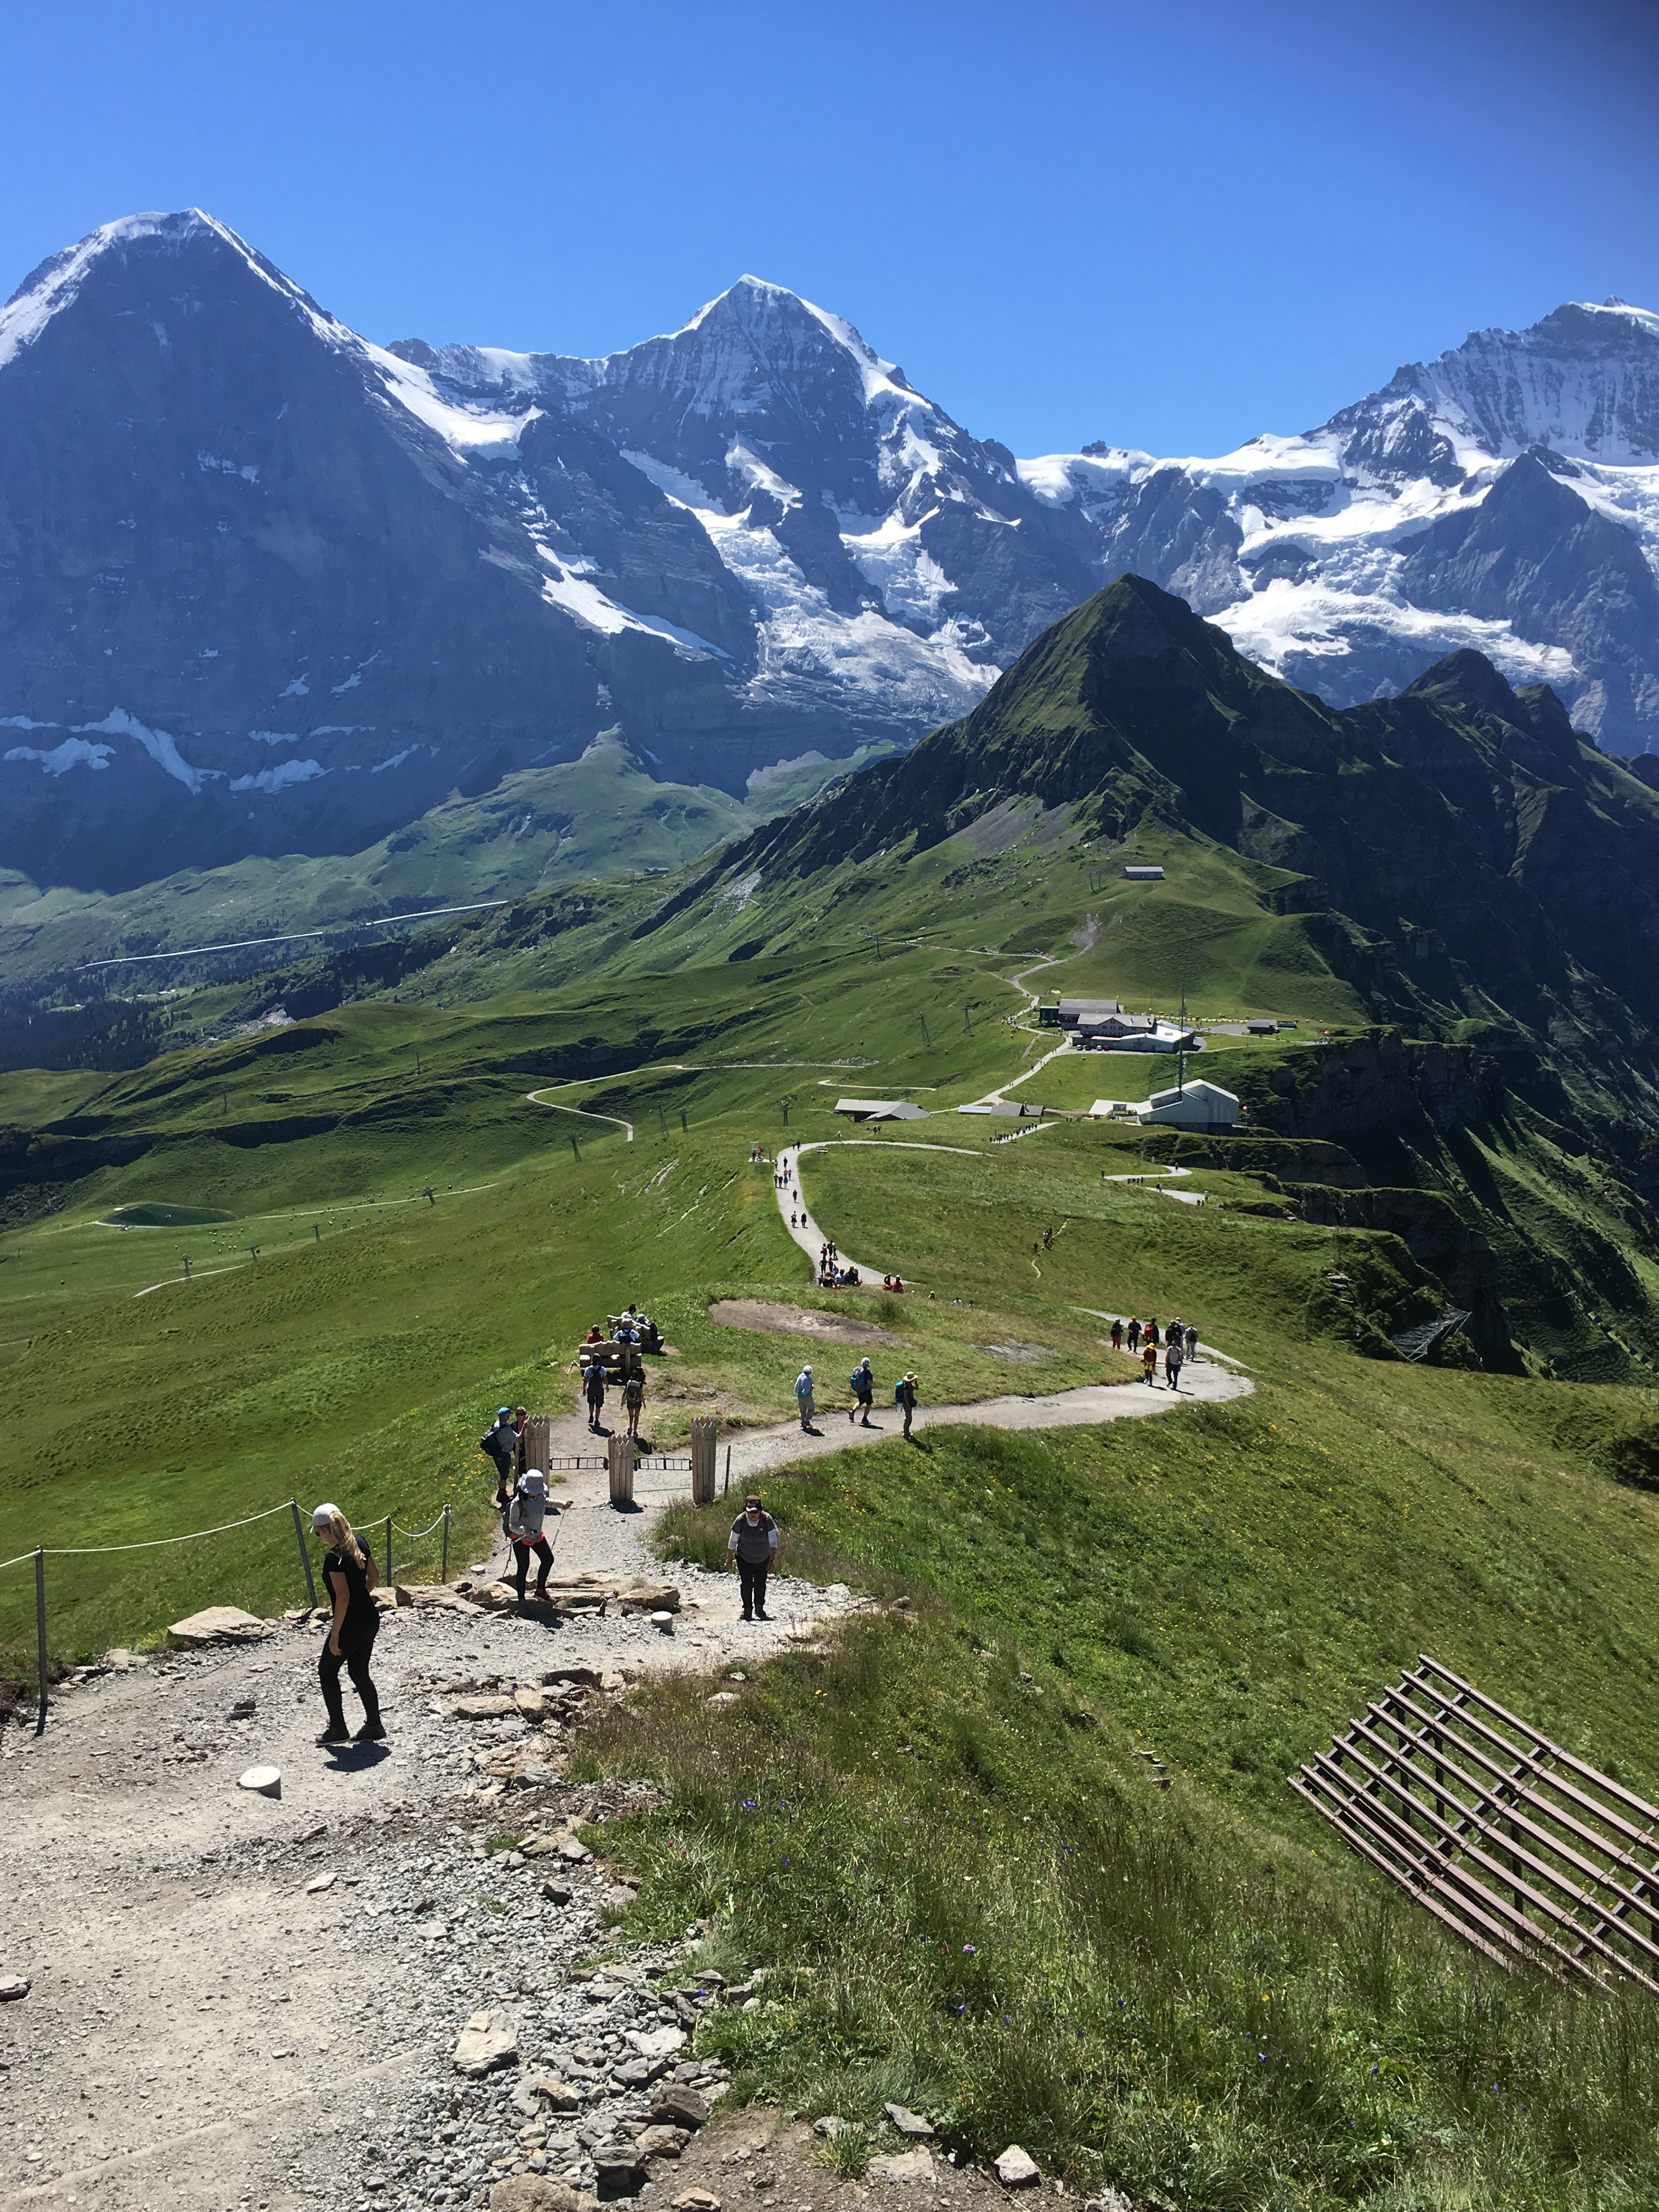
pixel 781 880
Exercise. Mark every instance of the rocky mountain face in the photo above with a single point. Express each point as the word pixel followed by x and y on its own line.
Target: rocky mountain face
pixel 1503 498
pixel 267 588
pixel 1461 852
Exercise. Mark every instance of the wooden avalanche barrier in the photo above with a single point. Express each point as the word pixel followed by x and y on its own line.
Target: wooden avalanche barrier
pixel 535 1448
pixel 1506 1838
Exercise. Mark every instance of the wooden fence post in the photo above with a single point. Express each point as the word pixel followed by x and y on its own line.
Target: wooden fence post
pixel 41 1630
pixel 703 1459
pixel 620 1458
pixel 305 1556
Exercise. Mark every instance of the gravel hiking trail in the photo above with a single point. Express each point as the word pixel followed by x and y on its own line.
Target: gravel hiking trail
pixel 243 2004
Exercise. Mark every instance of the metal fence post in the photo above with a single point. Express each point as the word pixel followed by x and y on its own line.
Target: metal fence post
pixel 727 1485
pixel 443 1571
pixel 388 1550
pixel 305 1556
pixel 41 1630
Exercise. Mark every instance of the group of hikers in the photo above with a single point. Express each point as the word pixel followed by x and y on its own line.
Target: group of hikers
pixel 596 1383
pixel 862 1385
pixel 832 1276
pixel 1180 1345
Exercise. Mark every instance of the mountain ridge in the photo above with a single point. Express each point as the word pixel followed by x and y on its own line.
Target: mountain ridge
pixel 269 588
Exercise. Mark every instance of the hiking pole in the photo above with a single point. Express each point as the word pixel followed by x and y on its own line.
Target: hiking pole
pixel 41 1630
pixel 305 1556
pixel 443 1571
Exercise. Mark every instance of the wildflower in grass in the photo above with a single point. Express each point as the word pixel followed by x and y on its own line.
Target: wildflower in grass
pixel 970 1950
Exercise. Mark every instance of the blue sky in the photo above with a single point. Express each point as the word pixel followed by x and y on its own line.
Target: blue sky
pixel 1168 224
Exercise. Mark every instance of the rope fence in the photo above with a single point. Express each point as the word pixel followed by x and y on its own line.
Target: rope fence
pixel 653 1462
pixel 42 1553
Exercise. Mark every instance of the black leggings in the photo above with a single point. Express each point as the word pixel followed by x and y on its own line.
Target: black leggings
pixel 354 1656
pixel 543 1551
pixel 751 1581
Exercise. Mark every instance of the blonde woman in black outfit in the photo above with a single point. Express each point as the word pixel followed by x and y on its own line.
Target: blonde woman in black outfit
pixel 351 1578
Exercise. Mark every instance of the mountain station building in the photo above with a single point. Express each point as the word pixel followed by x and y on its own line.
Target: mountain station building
pixel 1190 1106
pixel 880 1109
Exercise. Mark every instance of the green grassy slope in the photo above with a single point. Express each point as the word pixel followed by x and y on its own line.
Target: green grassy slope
pixel 600 816
pixel 943 1843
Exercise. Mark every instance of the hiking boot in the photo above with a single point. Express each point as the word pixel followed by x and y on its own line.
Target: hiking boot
pixel 763 1615
pixel 371 1732
pixel 332 1734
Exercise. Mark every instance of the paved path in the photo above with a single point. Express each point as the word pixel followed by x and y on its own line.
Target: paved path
pixel 792 1200
pixel 582 1113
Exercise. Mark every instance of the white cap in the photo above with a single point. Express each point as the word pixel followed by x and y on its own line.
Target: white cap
pixel 323 1515
pixel 533 1480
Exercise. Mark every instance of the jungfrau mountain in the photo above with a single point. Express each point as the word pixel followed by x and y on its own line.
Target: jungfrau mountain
pixel 1504 498
pixel 267 588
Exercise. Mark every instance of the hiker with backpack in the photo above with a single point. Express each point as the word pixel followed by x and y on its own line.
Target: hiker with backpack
pixel 350 1577
pixel 594 1391
pixel 500 1446
pixel 1117 1336
pixel 634 1399
pixel 1149 1358
pixel 1134 1334
pixel 753 1543
pixel 904 1394
pixel 804 1400
pixel 862 1385
pixel 1172 1359
pixel 526 1531
pixel 1192 1341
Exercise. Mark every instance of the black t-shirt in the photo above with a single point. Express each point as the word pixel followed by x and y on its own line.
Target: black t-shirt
pixel 361 1617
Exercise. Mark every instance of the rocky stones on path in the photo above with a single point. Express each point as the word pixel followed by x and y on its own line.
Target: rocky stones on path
pixel 1016 2168
pixel 530 1702
pixel 218 1624
pixel 696 2200
pixel 262 1781
pixel 534 2192
pixel 903 2165
pixel 534 2094
pixel 436 1597
pixel 620 2173
pixel 657 2140
pixel 830 2126
pixel 555 1893
pixel 572 1850
pixel 483 1709
pixel 678 2105
pixel 489 2040
pixel 908 2124
pixel 660 2043
pixel 321 1882
pixel 14 1986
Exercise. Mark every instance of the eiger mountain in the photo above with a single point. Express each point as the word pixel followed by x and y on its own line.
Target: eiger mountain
pixel 267 588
